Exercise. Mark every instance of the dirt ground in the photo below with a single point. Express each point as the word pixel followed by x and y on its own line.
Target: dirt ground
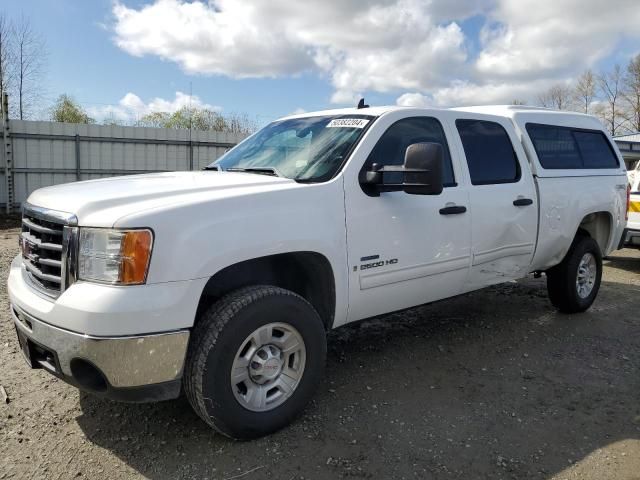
pixel 494 384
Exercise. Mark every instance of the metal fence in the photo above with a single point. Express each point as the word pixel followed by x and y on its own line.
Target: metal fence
pixel 39 154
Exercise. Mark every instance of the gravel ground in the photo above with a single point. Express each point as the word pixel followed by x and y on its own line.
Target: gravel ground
pixel 494 384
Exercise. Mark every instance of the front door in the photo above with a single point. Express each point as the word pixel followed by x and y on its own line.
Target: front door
pixel 405 250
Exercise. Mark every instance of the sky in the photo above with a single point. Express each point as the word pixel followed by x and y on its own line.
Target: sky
pixel 269 58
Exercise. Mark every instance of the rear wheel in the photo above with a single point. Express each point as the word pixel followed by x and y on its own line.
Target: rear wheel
pixel 574 283
pixel 254 361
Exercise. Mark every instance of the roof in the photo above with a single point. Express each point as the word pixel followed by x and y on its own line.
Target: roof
pixel 518 113
pixel 514 110
pixel 522 115
pixel 374 111
pixel 492 109
pixel 500 110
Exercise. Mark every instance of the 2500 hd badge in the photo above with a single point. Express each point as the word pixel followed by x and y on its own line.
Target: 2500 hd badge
pixel 379 263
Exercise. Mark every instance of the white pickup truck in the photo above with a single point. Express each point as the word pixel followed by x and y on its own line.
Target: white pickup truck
pixel 223 283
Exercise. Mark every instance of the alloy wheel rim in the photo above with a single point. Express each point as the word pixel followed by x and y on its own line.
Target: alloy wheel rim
pixel 268 367
pixel 587 272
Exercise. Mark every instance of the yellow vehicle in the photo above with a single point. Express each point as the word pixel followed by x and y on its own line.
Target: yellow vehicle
pixel 631 235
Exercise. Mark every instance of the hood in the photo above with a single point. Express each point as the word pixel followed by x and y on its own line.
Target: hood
pixel 102 202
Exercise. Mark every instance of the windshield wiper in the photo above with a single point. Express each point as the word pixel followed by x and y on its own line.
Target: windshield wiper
pixel 259 170
pixel 212 167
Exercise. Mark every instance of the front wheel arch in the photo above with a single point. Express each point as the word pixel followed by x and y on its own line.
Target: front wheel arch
pixel 306 273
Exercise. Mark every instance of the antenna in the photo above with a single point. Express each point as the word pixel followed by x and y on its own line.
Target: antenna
pixel 361 104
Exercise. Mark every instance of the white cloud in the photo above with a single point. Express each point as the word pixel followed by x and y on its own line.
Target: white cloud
pixel 463 92
pixel 553 38
pixel 469 93
pixel 381 45
pixel 229 37
pixel 528 45
pixel 414 46
pixel 414 100
pixel 132 107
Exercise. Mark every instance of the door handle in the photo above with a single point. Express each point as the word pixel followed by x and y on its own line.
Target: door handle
pixel 522 202
pixel 453 210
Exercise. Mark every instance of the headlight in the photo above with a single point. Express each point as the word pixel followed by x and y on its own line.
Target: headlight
pixel 114 256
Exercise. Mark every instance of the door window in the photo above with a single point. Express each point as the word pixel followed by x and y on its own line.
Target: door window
pixel 489 151
pixel 391 147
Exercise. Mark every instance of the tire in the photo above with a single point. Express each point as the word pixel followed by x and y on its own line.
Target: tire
pixel 573 284
pixel 229 333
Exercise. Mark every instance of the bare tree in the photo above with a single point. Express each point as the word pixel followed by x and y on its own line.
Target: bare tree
pixel 239 123
pixel 631 93
pixel 610 85
pixel 30 56
pixel 584 90
pixel 518 101
pixel 557 96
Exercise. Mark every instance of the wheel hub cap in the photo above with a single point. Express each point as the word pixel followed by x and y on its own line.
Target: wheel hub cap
pixel 266 364
pixel 268 367
pixel 587 273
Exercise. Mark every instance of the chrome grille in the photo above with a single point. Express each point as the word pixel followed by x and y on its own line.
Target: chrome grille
pixel 48 238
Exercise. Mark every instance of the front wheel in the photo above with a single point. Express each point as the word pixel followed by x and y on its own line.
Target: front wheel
pixel 255 359
pixel 574 283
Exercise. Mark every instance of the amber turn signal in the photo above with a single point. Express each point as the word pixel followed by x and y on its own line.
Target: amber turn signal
pixel 135 254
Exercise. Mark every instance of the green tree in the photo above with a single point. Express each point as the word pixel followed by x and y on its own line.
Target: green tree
pixel 67 110
pixel 155 119
pixel 198 119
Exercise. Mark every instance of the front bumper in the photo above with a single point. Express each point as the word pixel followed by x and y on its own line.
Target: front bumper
pixel 124 343
pixel 131 368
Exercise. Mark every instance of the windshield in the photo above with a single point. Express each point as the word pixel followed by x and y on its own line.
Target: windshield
pixel 309 148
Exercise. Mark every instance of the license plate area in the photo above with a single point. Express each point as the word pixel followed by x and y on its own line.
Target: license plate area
pixel 36 355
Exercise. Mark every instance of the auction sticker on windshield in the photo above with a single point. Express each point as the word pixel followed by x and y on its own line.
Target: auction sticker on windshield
pixel 348 123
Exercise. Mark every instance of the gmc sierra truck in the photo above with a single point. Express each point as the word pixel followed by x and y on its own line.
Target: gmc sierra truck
pixel 223 283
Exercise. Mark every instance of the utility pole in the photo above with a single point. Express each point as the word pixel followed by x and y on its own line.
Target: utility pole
pixel 190 127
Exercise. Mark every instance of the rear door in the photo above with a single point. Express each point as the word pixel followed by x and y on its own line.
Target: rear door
pixel 503 200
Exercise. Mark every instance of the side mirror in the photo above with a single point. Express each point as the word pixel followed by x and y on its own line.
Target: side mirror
pixel 423 169
pixel 421 172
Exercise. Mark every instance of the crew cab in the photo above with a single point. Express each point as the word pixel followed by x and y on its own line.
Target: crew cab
pixel 223 283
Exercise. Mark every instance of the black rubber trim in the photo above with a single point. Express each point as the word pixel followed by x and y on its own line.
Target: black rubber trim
pixel 623 239
pixel 155 392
